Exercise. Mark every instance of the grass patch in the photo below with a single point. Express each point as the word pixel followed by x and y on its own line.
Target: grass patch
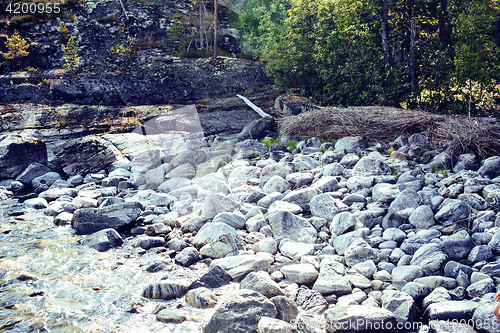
pixel 269 142
pixel 291 144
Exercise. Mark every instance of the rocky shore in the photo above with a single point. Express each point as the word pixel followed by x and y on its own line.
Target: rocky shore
pixel 320 235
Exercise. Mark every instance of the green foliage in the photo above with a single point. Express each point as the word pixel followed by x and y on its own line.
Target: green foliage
pixel 390 150
pixel 325 139
pixel 260 22
pixel 71 58
pixel 412 54
pixel 124 47
pixel 291 144
pixel 62 33
pixel 16 46
pixel 269 142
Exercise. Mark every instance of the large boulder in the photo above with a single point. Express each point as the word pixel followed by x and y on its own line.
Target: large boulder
pixel 257 129
pixel 89 220
pixel 103 240
pixel 370 166
pixel 332 278
pixel 86 155
pixel 359 251
pixel 354 318
pixel 17 152
pixel 430 258
pixel 240 312
pixel 287 225
pixel 350 144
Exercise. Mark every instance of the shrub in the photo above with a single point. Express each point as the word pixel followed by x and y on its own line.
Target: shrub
pixel 71 58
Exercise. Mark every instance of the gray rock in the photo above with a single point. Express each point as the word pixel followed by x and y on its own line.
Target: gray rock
pixel 17 152
pixel 47 179
pixel 33 171
pixel 474 201
pixel 453 268
pixel 483 316
pixel 87 155
pixel 276 184
pixel 452 212
pixel 239 266
pixel 342 222
pixel 171 316
pixel 342 242
pixel 302 197
pixel 220 247
pixel 262 283
pixel 201 298
pixel 240 312
pixel 235 219
pixel 416 291
pixel 324 205
pixel 210 232
pixel 334 169
pixel 436 281
pixel 481 288
pixel 89 220
pixel 63 218
pixel 394 234
pixel 480 253
pixel 326 184
pixel 422 217
pixel 438 295
pixel 430 258
pixel 411 245
pixel 358 252
pixel 300 273
pixel 349 160
pixel 332 278
pixel 147 242
pixel 350 144
pixel 299 179
pixel 103 240
pixel 370 166
pixel 296 250
pixel 305 162
pixel 402 305
pixel 164 290
pixel 268 245
pixel 287 225
pixel 492 269
pixel 445 326
pixel 490 167
pixel 215 277
pixel 406 273
pixel 365 268
pixel 268 325
pixel 491 193
pixel 187 257
pixel 269 199
pixel 354 318
pixel 450 310
pixel 408 198
pixel 384 192
pixel 309 300
pixel 286 308
pixel 457 246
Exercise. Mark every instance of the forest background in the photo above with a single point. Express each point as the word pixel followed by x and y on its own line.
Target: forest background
pixel 442 56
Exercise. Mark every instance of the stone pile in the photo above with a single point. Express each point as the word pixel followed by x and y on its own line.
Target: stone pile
pixel 331 237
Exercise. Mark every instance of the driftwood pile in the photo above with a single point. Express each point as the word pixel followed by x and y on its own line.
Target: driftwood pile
pixel 385 124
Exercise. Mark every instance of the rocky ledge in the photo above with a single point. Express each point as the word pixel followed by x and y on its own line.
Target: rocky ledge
pixel 341 236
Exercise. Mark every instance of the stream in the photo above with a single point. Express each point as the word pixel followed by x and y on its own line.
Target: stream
pixel 51 283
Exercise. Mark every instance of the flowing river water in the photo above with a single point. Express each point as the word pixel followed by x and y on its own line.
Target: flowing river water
pixel 51 283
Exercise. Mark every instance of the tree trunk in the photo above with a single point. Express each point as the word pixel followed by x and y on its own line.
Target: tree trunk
pixel 412 28
pixel 443 29
pixel 201 24
pixel 215 29
pixel 470 97
pixel 384 31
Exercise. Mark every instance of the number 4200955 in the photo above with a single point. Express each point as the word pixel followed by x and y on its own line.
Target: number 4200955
pixel 33 8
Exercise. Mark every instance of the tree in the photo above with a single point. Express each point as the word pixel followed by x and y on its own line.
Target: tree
pixel 71 58
pixel 477 58
pixel 215 29
pixel 17 47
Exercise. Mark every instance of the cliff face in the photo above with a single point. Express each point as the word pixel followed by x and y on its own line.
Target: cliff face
pixel 148 52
